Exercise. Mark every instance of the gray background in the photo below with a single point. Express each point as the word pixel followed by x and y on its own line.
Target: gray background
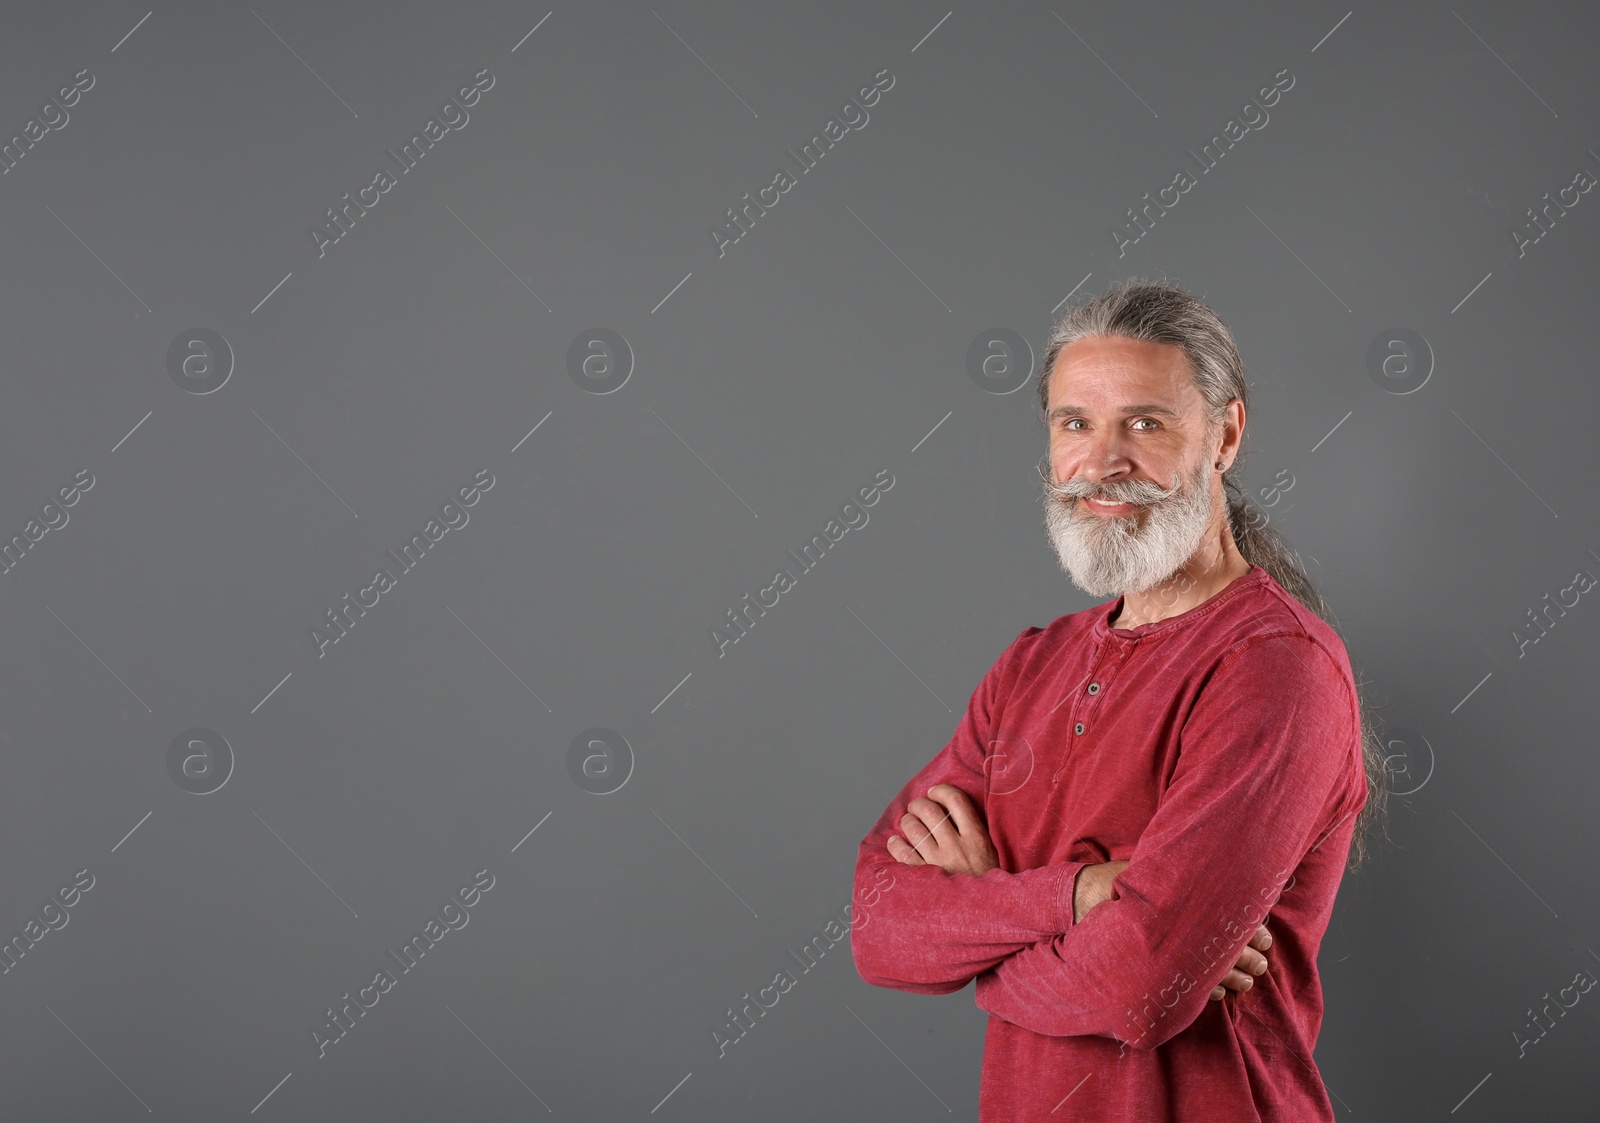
pixel 767 386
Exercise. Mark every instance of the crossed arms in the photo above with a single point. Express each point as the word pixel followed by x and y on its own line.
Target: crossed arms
pixel 1266 743
pixel 945 830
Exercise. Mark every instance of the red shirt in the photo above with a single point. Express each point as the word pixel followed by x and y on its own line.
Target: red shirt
pixel 1219 751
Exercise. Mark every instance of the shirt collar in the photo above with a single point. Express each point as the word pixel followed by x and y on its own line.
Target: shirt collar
pixel 1102 615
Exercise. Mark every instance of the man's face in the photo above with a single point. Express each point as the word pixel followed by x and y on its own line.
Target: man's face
pixel 1127 425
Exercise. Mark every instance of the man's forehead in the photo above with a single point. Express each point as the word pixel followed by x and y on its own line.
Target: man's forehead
pixel 1121 353
pixel 1126 372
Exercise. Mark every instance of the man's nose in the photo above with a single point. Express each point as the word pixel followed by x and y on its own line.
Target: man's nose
pixel 1104 459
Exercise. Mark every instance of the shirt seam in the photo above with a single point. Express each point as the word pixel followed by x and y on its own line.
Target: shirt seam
pixel 1248 641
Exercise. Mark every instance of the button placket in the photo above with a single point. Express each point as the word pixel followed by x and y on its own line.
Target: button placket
pixel 1082 705
pixel 1093 691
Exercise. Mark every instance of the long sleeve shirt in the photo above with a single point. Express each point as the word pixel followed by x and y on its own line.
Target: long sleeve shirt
pixel 1219 752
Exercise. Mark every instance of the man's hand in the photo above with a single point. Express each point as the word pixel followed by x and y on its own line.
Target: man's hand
pixel 1251 963
pixel 1094 888
pixel 944 830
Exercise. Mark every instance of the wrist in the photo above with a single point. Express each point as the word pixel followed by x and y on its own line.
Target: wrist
pixel 1077 889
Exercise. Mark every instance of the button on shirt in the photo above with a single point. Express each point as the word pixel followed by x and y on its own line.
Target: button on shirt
pixel 1219 752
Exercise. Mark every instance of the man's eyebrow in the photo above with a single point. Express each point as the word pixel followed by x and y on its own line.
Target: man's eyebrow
pixel 1148 407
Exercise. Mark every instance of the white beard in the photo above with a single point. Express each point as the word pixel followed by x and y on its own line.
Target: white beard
pixel 1107 556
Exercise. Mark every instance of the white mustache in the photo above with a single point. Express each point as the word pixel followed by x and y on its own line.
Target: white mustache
pixel 1068 492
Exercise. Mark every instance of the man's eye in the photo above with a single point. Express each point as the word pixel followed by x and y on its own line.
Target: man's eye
pixel 1067 423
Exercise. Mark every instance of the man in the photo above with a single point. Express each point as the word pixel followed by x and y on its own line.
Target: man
pixel 1133 788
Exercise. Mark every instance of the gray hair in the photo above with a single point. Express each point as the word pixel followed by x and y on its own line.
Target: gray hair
pixel 1160 312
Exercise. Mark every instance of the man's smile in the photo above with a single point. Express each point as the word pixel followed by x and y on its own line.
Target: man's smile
pixel 1100 508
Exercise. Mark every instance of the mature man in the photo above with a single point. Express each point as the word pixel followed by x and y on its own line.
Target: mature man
pixel 1133 788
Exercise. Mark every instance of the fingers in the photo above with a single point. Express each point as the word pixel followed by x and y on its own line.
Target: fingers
pixel 902 851
pixel 1252 965
pixel 959 807
pixel 934 819
pixel 916 833
pixel 1238 980
pixel 1252 962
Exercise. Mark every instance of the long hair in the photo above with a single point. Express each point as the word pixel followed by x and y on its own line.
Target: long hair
pixel 1159 312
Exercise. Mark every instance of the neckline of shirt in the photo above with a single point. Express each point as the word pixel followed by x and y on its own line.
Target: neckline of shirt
pixel 1102 620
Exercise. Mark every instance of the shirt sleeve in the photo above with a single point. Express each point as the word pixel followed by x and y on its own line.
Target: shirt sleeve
pixel 1266 742
pixel 920 929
